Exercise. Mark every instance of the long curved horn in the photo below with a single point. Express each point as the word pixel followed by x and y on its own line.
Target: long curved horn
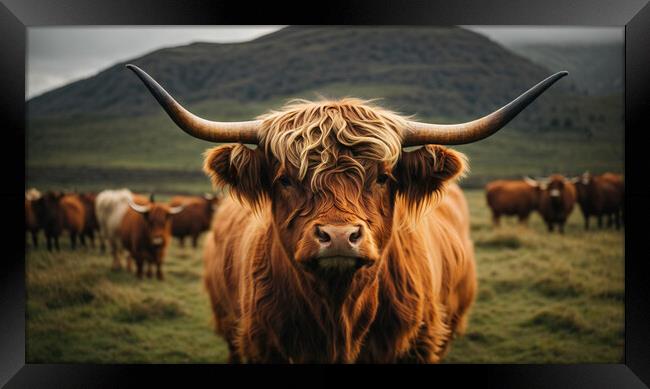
pixel 139 208
pixel 221 132
pixel 456 134
pixel 175 210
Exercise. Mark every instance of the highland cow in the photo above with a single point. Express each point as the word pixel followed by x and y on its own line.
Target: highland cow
pixel 339 246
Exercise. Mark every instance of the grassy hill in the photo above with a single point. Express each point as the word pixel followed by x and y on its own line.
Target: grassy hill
pixel 443 72
pixel 108 131
pixel 595 69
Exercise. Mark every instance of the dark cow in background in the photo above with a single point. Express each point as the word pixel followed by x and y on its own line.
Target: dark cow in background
pixel 601 195
pixel 512 198
pixel 343 247
pixel 556 200
pixel 90 224
pixel 145 233
pixel 195 218
pixel 50 217
pixel 31 221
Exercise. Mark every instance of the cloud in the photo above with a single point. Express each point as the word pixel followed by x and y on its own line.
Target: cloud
pixel 522 35
pixel 60 55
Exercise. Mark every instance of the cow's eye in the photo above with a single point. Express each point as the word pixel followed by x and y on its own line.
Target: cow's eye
pixel 284 181
pixel 382 178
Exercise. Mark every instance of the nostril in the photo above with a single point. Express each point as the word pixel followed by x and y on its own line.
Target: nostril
pixel 322 236
pixel 355 236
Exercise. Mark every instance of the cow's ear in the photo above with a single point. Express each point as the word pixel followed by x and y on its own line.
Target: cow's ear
pixel 240 168
pixel 423 173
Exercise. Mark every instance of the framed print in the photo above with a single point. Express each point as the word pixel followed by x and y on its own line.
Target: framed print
pixel 457 186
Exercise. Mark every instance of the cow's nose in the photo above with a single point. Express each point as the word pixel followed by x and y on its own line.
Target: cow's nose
pixel 338 236
pixel 157 241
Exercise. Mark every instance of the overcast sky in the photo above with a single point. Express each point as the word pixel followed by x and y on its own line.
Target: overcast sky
pixel 60 55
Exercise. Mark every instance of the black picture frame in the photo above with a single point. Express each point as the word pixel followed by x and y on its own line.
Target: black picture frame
pixel 634 15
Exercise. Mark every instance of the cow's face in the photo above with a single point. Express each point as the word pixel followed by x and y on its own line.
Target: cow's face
pixel 332 182
pixel 557 185
pixel 158 225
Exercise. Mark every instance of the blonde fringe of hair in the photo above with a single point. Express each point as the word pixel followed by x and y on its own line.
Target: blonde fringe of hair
pixel 309 135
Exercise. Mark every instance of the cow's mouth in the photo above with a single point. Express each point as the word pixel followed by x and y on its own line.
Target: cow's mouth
pixel 338 263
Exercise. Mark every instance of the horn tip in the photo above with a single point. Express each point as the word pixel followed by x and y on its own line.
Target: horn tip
pixel 133 68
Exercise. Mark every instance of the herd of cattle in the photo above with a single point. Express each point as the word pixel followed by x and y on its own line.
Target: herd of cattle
pixel 124 220
pixel 143 227
pixel 555 197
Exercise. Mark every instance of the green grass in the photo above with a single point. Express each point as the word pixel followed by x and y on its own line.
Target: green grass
pixel 542 299
pixel 149 153
pixel 79 310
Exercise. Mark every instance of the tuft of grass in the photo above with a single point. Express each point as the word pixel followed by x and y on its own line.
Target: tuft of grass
pixel 504 237
pixel 557 287
pixel 62 288
pixel 611 294
pixel 560 320
pixel 500 241
pixel 485 294
pixel 149 308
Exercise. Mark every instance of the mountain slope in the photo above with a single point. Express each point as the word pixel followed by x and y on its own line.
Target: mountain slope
pixel 596 69
pixel 443 72
pixel 108 130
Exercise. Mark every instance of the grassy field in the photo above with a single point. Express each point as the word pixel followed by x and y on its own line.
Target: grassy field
pixel 542 299
pixel 149 153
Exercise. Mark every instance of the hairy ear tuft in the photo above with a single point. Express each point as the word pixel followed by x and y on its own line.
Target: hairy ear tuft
pixel 422 174
pixel 240 168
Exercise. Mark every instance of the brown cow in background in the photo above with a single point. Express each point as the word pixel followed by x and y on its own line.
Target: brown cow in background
pixel 557 199
pixel 74 218
pixel 145 233
pixel 601 195
pixel 513 198
pixel 195 218
pixel 619 182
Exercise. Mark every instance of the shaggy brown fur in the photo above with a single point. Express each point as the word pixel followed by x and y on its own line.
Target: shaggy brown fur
pixel 511 197
pixel 338 163
pixel 555 210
